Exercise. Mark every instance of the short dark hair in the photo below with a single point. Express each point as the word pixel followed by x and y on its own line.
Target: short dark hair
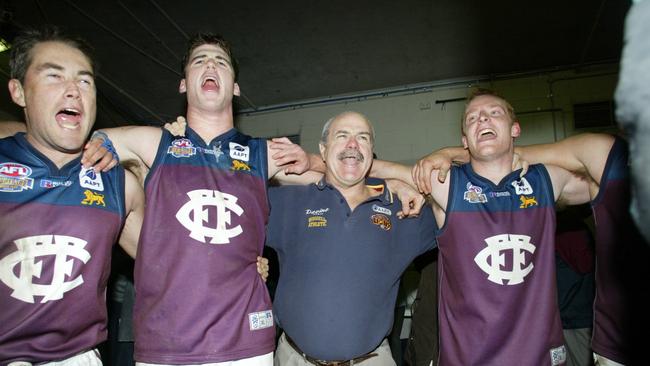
pixel 200 39
pixel 20 56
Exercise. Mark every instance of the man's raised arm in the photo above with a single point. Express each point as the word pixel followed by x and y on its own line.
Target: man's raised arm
pixel 440 161
pixel 137 143
pixel 582 154
pixel 570 188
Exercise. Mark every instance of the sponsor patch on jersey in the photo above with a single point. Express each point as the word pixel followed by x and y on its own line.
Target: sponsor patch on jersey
pixel 240 166
pixel 474 194
pixel 46 183
pixel 181 148
pixel 91 198
pixel 319 211
pixel 499 194
pixel 88 178
pixel 382 210
pixel 558 355
pixel 522 186
pixel 316 221
pixel 29 260
pixel 238 151
pixel 527 201
pixel 14 177
pixel 215 150
pixel 260 320
pixel 382 221
pixel 491 258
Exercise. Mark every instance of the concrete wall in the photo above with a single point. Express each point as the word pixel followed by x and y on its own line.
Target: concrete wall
pixel 411 123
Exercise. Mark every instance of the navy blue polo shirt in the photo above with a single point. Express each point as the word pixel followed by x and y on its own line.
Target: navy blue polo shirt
pixel 340 269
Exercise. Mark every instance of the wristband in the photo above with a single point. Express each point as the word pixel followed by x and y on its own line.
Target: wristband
pixel 106 143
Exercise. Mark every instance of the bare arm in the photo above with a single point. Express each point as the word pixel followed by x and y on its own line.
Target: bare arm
pixel 583 153
pixel 570 188
pixel 286 157
pixel 439 161
pixel 10 128
pixel 139 143
pixel 305 178
pixel 134 200
pixel 412 200
pixel 389 170
pixel 439 190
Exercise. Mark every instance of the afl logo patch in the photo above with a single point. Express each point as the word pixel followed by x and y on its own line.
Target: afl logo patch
pixel 181 148
pixel 14 177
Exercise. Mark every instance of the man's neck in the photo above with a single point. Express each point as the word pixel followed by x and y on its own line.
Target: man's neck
pixel 210 124
pixel 494 169
pixel 58 158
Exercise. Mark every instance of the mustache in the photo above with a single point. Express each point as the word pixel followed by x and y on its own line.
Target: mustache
pixel 350 153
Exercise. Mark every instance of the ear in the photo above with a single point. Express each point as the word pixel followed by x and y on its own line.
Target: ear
pixel 17 92
pixel 515 129
pixel 182 88
pixel 235 90
pixel 464 140
pixel 322 149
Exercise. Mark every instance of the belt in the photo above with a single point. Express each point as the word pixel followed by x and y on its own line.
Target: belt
pixel 317 362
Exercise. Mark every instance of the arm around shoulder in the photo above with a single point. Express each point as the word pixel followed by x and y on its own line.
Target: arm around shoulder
pixel 138 143
pixel 582 153
pixel 389 170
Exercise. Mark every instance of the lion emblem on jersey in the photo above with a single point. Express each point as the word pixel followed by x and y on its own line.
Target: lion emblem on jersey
pixel 527 202
pixel 93 198
pixel 240 165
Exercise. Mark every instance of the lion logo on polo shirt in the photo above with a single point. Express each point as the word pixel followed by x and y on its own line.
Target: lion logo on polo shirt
pixel 382 221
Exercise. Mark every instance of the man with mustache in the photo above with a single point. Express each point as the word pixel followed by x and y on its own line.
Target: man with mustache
pixel 341 251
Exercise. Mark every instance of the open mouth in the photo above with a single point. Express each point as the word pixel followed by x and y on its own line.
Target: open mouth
pixel 69 117
pixel 486 134
pixel 209 83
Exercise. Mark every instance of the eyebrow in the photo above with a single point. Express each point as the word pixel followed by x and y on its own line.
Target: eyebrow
pixel 203 55
pixel 489 106
pixel 50 65
pixel 87 73
pixel 348 132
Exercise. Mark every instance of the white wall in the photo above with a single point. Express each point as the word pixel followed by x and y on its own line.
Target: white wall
pixel 412 125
